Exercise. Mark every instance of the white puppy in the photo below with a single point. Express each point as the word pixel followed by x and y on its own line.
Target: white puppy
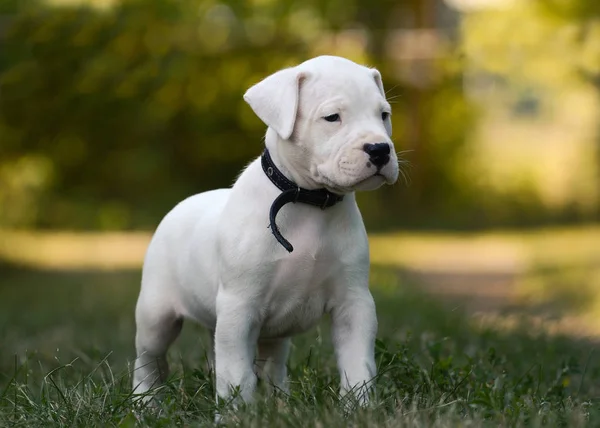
pixel 214 260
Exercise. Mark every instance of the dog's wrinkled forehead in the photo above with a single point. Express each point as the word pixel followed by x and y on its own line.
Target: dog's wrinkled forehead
pixel 334 77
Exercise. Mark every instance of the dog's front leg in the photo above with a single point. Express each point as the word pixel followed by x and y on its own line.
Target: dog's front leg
pixel 235 345
pixel 354 326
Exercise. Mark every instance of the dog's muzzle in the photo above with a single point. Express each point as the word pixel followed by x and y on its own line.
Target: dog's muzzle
pixel 291 192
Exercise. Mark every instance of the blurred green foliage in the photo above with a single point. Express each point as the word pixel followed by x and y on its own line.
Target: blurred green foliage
pixel 548 71
pixel 126 111
pixel 110 116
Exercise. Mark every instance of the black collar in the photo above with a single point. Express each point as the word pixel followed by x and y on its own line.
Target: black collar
pixel 291 192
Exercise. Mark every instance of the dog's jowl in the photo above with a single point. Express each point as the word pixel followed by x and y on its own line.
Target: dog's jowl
pixel 266 259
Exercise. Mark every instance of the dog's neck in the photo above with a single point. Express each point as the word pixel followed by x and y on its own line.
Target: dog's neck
pixel 285 158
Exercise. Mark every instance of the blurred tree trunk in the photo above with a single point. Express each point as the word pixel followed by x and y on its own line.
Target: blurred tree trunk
pixel 420 15
pixel 424 18
pixel 5 21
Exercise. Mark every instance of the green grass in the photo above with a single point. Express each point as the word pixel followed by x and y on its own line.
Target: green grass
pixel 66 346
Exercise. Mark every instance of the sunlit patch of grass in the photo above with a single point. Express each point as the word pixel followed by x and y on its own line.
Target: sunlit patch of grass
pixel 74 250
pixel 563 292
pixel 67 347
pixel 492 250
pixel 567 289
pixel 513 250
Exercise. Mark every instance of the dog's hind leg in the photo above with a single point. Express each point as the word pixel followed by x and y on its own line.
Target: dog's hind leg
pixel 271 363
pixel 157 327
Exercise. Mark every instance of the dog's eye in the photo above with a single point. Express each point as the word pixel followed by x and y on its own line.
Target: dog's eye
pixel 385 115
pixel 332 118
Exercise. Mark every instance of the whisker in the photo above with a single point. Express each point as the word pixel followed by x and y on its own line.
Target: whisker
pixel 391 89
pixel 405 176
pixel 403 163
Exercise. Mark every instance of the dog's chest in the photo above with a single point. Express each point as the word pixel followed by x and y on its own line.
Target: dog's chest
pixel 298 295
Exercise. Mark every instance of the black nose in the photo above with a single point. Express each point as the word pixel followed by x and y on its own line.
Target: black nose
pixel 379 153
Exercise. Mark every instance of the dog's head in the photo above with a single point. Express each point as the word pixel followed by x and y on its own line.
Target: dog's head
pixel 334 116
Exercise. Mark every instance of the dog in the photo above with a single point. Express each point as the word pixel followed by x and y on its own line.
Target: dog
pixel 264 260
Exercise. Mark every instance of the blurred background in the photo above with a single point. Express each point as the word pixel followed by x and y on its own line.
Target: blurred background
pixel 112 111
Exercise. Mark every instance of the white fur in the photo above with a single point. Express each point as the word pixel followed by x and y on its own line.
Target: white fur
pixel 214 260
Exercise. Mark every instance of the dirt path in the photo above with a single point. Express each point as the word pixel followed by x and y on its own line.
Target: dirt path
pixel 492 291
pixel 491 300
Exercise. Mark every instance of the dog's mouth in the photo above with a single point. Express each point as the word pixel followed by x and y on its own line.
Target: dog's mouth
pixel 370 182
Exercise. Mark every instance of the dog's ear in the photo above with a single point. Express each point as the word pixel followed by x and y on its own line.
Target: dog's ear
pixel 379 83
pixel 378 80
pixel 275 100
